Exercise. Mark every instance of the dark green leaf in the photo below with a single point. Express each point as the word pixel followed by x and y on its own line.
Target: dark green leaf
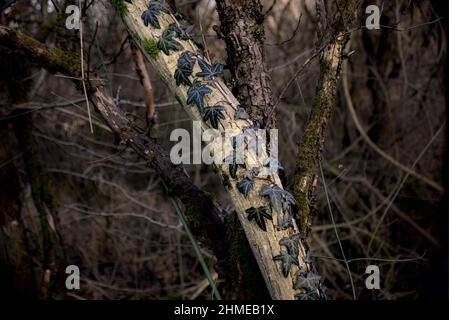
pixel 185 68
pixel 259 215
pixel 196 94
pixel 309 295
pixel 149 16
pixel 245 186
pixel 273 163
pixel 167 42
pixel 287 260
pixel 275 195
pixel 291 243
pixel 213 115
pixel 289 197
pixel 209 72
pixel 226 182
pixel 309 281
pixel 284 220
pixel 241 114
pixel 233 165
pixel 179 31
pixel 249 174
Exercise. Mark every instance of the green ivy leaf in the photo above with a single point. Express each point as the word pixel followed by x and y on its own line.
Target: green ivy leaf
pixel 167 42
pixel 275 195
pixel 309 295
pixel 259 215
pixel 291 243
pixel 226 182
pixel 233 165
pixel 209 72
pixel 287 260
pixel 272 162
pixel 185 69
pixel 180 32
pixel 309 281
pixel 196 94
pixel 149 16
pixel 289 197
pixel 245 186
pixel 214 115
pixel 249 174
pixel 241 114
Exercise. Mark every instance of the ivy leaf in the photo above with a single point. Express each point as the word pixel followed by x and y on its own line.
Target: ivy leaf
pixel 233 157
pixel 185 69
pixel 259 215
pixel 275 195
pixel 196 93
pixel 309 281
pixel 159 6
pixel 182 77
pixel 233 170
pixel 179 31
pixel 213 115
pixel 273 164
pixel 149 16
pixel 167 43
pixel 209 72
pixel 245 186
pixel 254 126
pixel 284 220
pixel 289 197
pixel 309 295
pixel 240 114
pixel 249 174
pixel 291 243
pixel 226 182
pixel 233 165
pixel 287 260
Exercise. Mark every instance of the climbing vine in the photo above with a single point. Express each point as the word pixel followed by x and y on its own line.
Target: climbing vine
pixel 198 86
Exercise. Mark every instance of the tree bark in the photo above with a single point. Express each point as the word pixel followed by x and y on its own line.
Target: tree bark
pixel 332 38
pixel 243 31
pixel 265 245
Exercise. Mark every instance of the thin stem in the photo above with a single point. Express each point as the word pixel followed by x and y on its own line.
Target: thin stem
pixel 82 70
pixel 336 234
pixel 195 246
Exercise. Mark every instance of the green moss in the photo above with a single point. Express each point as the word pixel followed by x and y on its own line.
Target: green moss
pixel 259 33
pixel 120 6
pixel 150 47
pixel 325 66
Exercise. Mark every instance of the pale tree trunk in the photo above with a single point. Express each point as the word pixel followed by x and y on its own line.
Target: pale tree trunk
pixel 265 245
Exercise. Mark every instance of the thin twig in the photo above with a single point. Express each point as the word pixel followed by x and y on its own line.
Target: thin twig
pixel 82 72
pixel 367 139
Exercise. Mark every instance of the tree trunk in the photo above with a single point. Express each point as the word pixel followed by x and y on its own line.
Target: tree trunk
pixel 265 245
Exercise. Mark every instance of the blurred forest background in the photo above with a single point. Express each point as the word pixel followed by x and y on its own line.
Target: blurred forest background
pixel 119 227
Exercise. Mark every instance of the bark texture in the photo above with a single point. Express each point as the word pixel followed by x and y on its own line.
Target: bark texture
pixel 331 32
pixel 265 245
pixel 243 31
